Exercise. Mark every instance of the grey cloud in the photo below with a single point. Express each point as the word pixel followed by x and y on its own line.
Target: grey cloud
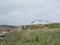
pixel 18 12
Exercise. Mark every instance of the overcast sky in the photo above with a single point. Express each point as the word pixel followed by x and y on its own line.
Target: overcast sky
pixel 20 12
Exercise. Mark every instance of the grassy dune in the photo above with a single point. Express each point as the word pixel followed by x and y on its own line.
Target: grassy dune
pixel 48 35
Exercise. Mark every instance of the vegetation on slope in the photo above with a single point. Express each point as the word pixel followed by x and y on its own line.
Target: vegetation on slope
pixel 45 36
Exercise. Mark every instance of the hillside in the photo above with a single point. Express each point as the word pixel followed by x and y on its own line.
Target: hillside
pixel 47 34
pixel 6 27
pixel 29 27
pixel 40 26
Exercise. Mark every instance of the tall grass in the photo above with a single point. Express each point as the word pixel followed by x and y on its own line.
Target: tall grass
pixel 33 37
pixel 49 36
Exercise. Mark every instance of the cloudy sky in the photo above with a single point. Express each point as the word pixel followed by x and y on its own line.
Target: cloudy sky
pixel 20 12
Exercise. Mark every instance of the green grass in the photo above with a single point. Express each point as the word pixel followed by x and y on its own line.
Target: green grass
pixel 45 36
